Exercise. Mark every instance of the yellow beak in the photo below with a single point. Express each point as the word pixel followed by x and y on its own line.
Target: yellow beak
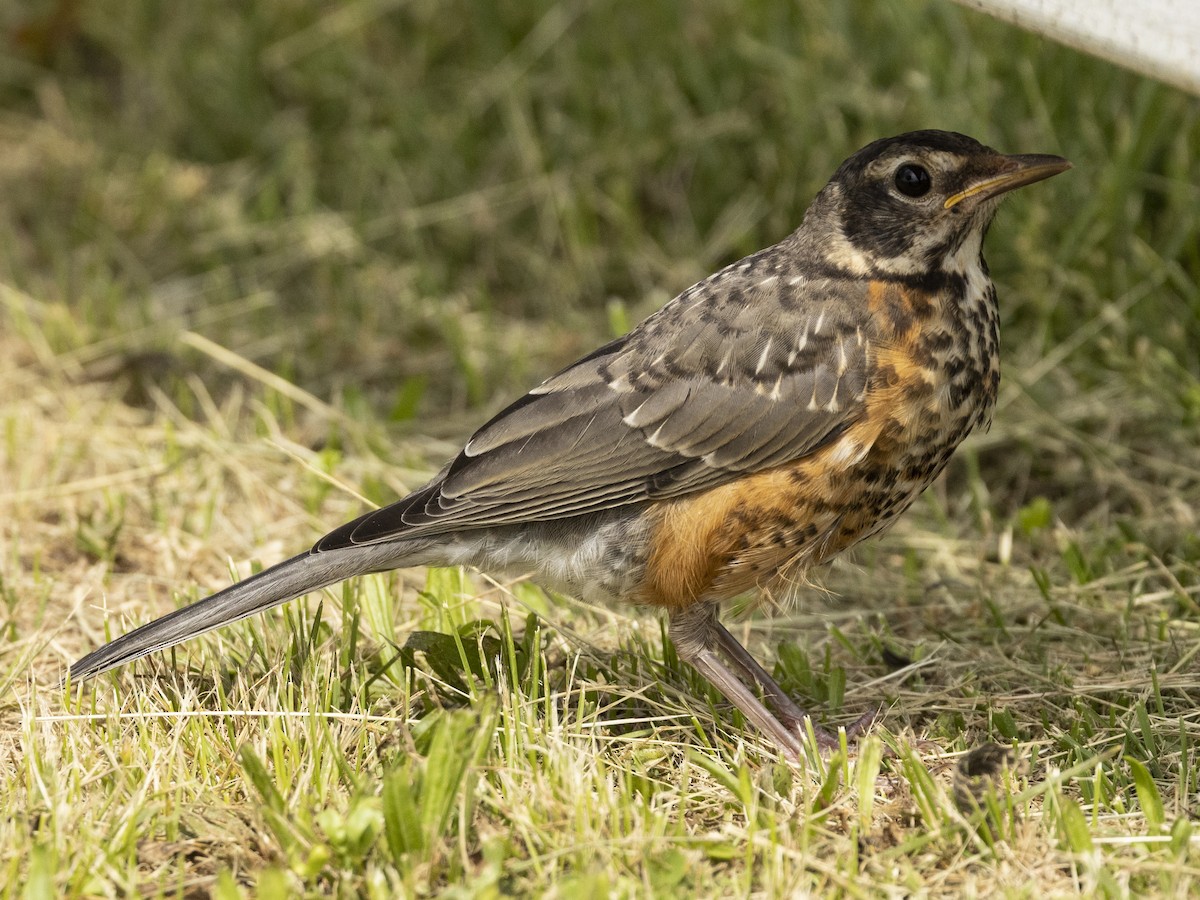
pixel 1011 172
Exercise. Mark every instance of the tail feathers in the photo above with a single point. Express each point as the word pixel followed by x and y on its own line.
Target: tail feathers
pixel 289 579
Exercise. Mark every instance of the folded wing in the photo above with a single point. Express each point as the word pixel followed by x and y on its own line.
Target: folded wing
pixel 706 389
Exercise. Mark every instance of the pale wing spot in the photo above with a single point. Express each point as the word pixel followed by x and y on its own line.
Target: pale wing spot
pixel 632 418
pixel 832 405
pixel 771 393
pixel 797 347
pixel 820 321
pixel 726 360
pixel 842 361
pixel 762 359
pixel 768 281
pixel 655 439
pixel 795 280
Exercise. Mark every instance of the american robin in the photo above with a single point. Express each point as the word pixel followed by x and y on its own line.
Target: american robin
pixel 760 423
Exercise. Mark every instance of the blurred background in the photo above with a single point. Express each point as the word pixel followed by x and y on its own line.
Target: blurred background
pixel 425 207
pixel 263 263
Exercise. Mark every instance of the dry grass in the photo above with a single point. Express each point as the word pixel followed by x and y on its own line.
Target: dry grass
pixel 239 303
pixel 606 764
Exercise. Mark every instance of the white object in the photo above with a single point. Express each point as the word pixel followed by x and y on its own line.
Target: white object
pixel 1155 37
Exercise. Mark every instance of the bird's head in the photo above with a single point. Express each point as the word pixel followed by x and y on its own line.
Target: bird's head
pixel 916 203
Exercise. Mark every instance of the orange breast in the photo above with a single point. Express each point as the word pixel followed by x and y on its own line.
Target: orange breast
pixel 778 522
pixel 727 540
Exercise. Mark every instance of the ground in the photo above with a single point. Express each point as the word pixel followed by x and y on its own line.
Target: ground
pixel 266 264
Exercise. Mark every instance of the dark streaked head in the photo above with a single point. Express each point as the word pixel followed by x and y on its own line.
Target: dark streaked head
pixel 916 203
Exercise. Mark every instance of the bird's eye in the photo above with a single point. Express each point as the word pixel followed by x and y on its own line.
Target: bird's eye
pixel 913 180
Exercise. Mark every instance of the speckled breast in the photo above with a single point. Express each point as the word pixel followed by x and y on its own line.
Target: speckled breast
pixel 934 379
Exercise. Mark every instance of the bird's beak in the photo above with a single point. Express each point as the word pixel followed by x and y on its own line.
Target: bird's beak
pixel 1009 172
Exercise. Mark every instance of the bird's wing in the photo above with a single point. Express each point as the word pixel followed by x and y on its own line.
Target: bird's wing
pixel 742 372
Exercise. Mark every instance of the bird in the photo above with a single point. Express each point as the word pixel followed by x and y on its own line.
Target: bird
pixel 762 422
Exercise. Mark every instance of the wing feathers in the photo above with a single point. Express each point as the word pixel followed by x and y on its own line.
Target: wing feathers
pixel 726 379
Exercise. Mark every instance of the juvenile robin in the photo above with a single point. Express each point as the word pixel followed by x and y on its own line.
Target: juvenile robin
pixel 763 421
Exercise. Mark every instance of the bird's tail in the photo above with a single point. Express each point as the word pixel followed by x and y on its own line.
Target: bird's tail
pixel 289 579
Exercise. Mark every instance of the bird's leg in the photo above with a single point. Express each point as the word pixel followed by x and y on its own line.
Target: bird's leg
pixel 696 634
pixel 786 709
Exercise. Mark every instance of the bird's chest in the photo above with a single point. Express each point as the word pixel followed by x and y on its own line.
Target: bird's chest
pixel 935 379
pixel 934 376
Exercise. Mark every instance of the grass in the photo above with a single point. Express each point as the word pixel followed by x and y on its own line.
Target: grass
pixel 266 263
